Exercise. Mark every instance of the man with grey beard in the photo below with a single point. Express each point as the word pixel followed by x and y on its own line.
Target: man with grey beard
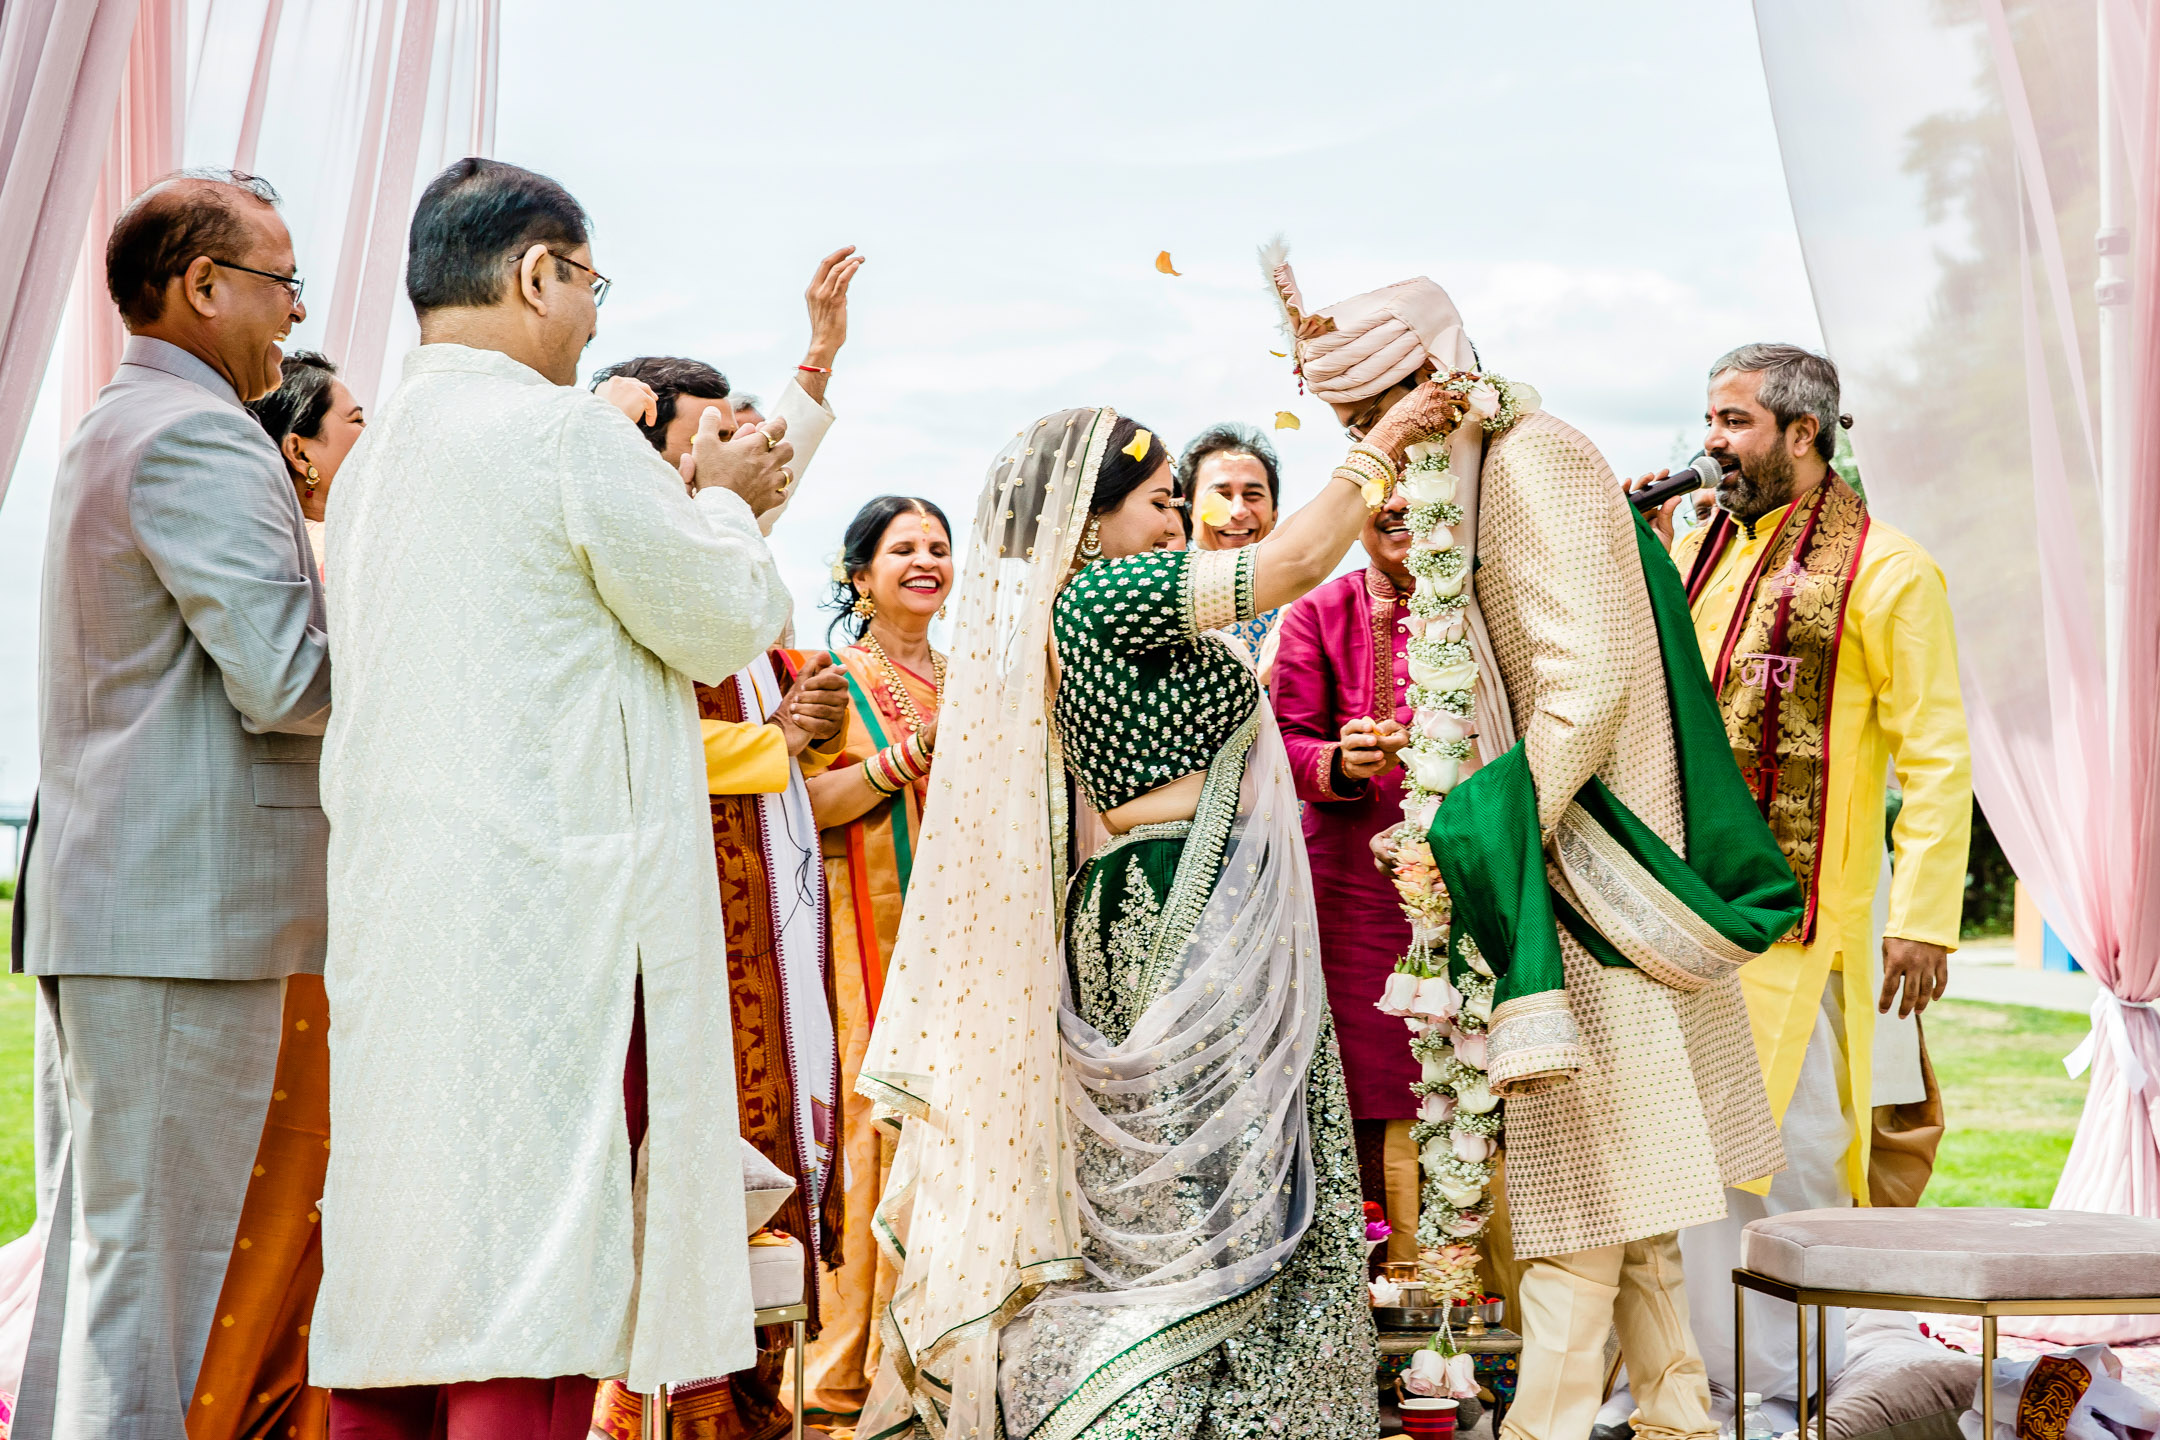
pixel 1828 639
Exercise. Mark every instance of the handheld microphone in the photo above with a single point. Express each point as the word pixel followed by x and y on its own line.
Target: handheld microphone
pixel 1700 471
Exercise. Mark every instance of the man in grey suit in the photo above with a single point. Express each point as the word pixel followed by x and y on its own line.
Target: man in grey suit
pixel 174 876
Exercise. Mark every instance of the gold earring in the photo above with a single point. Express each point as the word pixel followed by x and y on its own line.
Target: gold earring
pixel 1091 540
pixel 314 478
pixel 865 607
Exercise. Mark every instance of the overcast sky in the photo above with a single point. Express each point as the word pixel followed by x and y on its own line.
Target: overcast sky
pixel 1596 185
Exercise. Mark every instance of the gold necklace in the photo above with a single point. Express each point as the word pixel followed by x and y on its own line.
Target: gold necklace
pixel 898 686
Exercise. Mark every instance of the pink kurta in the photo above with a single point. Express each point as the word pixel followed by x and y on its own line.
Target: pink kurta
pixel 1324 677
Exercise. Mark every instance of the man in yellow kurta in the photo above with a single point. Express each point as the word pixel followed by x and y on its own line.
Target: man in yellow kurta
pixel 1827 635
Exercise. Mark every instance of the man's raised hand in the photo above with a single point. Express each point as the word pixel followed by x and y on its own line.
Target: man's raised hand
pixel 755 464
pixel 827 299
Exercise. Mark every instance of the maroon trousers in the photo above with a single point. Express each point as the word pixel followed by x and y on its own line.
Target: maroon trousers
pixel 507 1409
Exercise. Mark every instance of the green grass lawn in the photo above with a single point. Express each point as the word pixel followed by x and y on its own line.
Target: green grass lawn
pixel 2009 1107
pixel 18 1177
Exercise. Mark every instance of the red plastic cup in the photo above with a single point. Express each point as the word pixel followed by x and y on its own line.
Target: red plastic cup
pixel 1427 1417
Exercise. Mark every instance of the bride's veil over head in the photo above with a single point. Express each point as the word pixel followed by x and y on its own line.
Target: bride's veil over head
pixel 978 1214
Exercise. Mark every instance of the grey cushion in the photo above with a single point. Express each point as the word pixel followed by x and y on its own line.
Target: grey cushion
pixel 1979 1254
pixel 1897 1384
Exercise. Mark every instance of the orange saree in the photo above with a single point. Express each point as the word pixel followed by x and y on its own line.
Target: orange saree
pixel 253 1380
pixel 866 871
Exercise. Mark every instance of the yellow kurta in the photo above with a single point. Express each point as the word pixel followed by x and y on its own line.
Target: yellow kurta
pixel 1896 700
pixel 745 758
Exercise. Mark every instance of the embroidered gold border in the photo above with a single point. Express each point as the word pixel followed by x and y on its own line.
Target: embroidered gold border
pixel 1532 1044
pixel 1645 922
pixel 1166 1349
pixel 916 1371
pixel 1211 600
pixel 1199 867
pixel 872 1088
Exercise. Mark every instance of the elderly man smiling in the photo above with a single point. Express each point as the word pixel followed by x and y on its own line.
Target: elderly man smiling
pixel 174 871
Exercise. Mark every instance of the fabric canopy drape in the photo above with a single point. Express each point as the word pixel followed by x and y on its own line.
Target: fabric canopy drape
pixel 61 66
pixel 1974 186
pixel 348 107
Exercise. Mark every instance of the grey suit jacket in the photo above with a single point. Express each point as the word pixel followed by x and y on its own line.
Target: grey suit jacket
pixel 183 687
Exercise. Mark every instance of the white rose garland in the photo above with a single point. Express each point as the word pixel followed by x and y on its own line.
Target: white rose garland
pixel 1458 1126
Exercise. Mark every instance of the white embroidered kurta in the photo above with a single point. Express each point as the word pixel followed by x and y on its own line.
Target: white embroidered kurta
pixel 515 785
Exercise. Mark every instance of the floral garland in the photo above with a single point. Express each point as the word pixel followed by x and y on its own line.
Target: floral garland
pixel 1446 1002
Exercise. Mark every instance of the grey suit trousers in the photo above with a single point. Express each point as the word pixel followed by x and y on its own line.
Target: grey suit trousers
pixel 151 1100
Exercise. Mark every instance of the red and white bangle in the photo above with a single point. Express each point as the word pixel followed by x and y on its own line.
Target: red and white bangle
pixel 814 369
pixel 894 768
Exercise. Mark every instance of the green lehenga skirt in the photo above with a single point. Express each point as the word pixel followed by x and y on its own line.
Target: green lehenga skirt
pixel 1294 1357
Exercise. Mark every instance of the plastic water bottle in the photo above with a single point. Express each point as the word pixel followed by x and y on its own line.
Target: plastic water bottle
pixel 1754 1425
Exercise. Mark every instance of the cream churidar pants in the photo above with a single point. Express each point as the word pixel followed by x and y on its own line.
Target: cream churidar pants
pixel 1817 1129
pixel 1569 1302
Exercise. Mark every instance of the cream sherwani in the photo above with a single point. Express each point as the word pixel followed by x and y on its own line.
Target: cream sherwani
pixel 518 830
pixel 1669 1108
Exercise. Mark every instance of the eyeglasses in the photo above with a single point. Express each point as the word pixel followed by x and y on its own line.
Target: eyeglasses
pixel 292 283
pixel 600 283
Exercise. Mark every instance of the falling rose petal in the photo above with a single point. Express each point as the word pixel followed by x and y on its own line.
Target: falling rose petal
pixel 1162 263
pixel 1214 510
pixel 1284 420
pixel 1280 354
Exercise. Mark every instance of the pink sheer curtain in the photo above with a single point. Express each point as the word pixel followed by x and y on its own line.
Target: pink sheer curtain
pixel 61 67
pixel 144 144
pixel 1973 189
pixel 346 106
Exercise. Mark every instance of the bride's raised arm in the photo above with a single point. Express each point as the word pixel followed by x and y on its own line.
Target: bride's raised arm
pixel 1306 548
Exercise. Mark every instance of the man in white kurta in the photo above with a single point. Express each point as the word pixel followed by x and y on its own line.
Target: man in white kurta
pixel 519 834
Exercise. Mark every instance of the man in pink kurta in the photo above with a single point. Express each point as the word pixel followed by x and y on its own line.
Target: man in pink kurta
pixel 1340 683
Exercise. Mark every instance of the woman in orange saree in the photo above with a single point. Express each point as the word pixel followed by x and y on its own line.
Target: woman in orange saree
pixel 895 571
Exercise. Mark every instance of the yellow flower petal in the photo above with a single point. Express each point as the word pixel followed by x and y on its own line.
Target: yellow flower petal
pixel 1214 509
pixel 1284 420
pixel 1162 263
pixel 1280 354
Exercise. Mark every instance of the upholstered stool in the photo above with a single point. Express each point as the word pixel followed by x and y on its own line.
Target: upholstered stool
pixel 776 1282
pixel 1983 1262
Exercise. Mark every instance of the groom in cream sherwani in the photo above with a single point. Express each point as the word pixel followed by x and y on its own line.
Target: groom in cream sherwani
pixel 520 859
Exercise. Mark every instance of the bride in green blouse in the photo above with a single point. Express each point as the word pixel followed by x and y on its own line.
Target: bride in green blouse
pixel 1125 1201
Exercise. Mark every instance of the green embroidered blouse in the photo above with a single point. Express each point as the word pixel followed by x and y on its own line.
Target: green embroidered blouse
pixel 1146 694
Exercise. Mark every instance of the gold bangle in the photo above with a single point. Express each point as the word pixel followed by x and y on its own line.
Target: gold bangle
pixel 1373 476
pixel 1375 453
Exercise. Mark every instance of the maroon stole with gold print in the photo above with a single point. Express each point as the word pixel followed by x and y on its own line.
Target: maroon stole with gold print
pixel 1778 666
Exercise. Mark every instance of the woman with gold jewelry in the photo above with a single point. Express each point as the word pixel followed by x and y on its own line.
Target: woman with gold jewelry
pixel 1125 1198
pixel 894 572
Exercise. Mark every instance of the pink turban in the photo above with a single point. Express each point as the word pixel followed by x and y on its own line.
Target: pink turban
pixel 1359 347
